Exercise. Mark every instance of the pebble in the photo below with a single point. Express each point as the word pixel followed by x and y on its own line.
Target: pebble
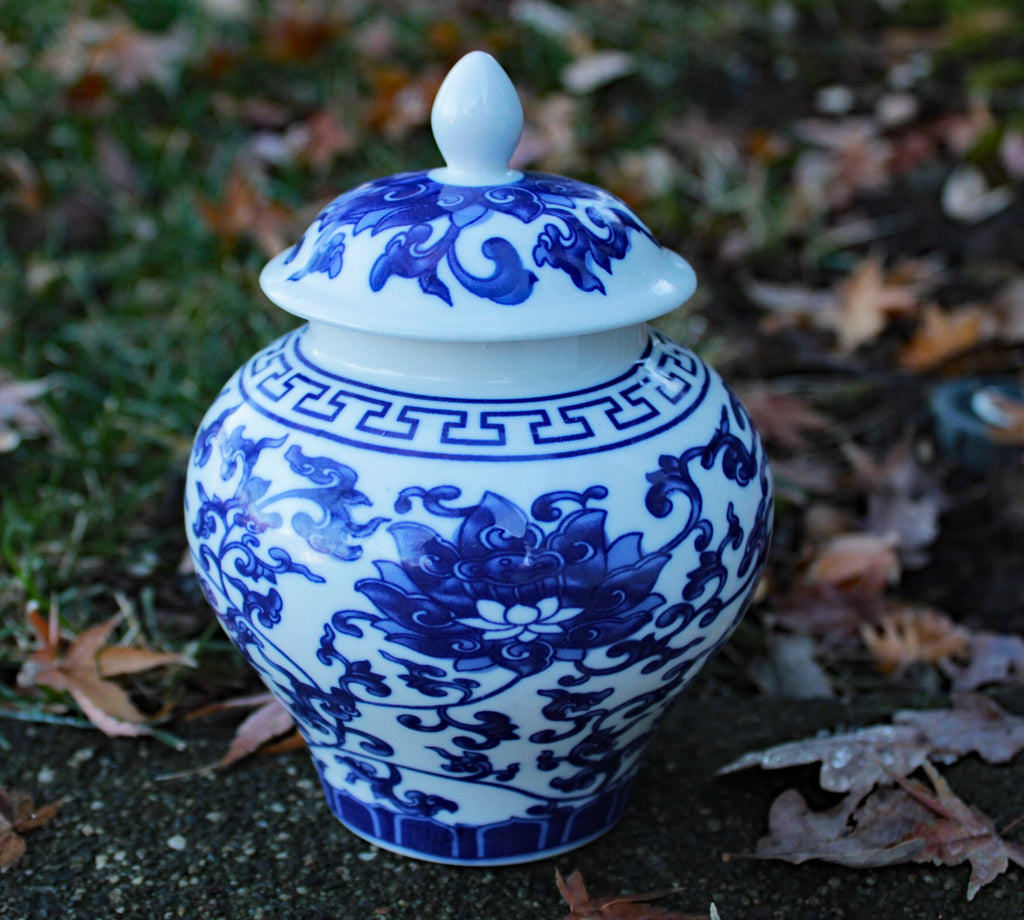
pixel 177 842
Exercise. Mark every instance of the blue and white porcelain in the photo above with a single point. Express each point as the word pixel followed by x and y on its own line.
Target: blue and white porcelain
pixel 475 524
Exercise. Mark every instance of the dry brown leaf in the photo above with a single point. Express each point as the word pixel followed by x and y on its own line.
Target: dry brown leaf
pixel 401 101
pixel 244 212
pixel 943 334
pixel 867 301
pixel 877 832
pixel 301 30
pixel 612 906
pixel 975 725
pixel 268 722
pixel 77 669
pixel 782 418
pixel 913 635
pixel 851 762
pixel 864 563
pixel 268 728
pixel 851 157
pixel 18 814
pixel 116 51
pixel 893 824
pixel 904 499
pixel 856 761
pixel 992 658
pixel 955 833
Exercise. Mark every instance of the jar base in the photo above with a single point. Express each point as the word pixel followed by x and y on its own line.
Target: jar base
pixel 516 840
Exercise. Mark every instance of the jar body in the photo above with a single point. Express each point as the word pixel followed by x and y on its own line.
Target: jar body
pixel 477 607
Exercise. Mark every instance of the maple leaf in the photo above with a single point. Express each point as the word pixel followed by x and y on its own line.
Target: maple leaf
pixel 84 667
pixel 269 728
pixel 867 301
pixel 17 815
pixel 612 906
pixel 913 634
pixel 943 334
pixel 894 824
pixel 858 308
pixel 856 761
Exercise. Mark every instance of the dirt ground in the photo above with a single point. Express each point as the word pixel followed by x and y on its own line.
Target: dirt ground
pixel 258 841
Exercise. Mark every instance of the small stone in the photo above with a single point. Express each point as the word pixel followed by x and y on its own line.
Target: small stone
pixel 46 775
pixel 177 842
pixel 368 855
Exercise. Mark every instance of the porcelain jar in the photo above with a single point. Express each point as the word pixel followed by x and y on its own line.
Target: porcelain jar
pixel 475 524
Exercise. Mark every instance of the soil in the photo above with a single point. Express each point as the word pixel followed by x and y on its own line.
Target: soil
pixel 258 841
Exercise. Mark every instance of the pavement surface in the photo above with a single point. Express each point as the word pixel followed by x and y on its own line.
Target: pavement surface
pixel 258 841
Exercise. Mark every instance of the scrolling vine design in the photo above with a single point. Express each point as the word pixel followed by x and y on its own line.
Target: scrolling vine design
pixel 486 596
pixel 425 219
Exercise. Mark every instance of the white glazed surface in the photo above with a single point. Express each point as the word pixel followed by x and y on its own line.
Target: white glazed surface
pixel 478 606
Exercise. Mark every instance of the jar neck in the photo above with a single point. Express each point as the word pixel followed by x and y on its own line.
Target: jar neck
pixel 477 369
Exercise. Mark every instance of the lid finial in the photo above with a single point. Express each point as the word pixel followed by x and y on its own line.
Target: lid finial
pixel 477 120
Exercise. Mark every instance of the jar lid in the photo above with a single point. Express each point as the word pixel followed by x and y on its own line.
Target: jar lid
pixel 474 250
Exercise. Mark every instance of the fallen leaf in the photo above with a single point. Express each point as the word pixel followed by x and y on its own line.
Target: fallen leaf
pixel 992 658
pixel 596 69
pixel 831 616
pixel 850 157
pixel 268 722
pixel 867 301
pixel 858 760
pixel 943 334
pixel 782 418
pixel 401 102
pixel 116 51
pixel 269 728
pixel 912 635
pixel 19 419
pixel 875 833
pixel 893 824
pixel 78 669
pixel 863 563
pixel 904 499
pixel 858 308
pixel 244 212
pixel 975 725
pixel 852 762
pixel 18 814
pixel 612 906
pixel 300 31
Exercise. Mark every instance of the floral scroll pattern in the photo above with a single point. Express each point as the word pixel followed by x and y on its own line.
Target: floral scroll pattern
pixel 585 230
pixel 478 597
